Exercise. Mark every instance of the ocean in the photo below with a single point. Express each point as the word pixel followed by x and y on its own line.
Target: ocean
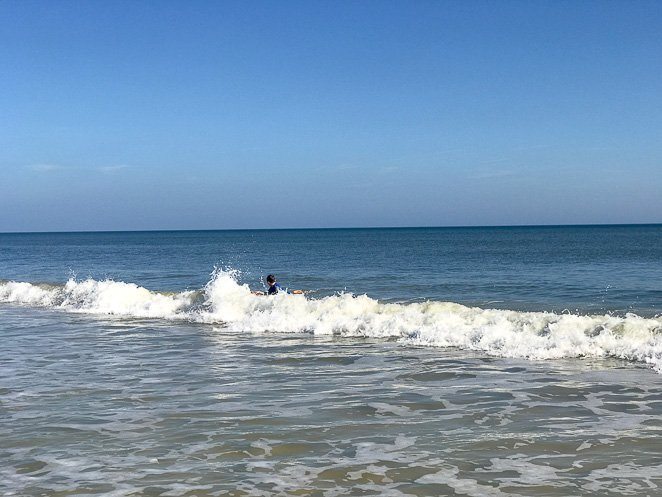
pixel 513 361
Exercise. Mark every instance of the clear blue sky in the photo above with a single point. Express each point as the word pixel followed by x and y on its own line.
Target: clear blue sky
pixel 192 115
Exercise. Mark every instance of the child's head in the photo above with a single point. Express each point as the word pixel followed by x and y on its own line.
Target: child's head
pixel 271 279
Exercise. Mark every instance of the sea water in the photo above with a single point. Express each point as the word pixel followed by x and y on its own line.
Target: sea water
pixel 457 361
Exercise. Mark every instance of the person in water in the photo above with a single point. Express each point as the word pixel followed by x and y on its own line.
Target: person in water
pixel 274 287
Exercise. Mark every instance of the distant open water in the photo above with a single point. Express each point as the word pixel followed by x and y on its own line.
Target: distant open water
pixel 466 361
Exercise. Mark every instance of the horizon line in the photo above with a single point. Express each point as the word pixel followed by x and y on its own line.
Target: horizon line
pixel 160 230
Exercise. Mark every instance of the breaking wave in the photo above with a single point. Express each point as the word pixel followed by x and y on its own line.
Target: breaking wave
pixel 532 335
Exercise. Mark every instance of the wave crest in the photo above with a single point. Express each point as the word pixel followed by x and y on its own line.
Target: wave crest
pixel 532 335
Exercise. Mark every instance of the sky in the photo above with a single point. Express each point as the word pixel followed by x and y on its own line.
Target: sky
pixel 221 115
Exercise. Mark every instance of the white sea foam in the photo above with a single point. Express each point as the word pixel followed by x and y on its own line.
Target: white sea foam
pixel 533 335
pixel 98 297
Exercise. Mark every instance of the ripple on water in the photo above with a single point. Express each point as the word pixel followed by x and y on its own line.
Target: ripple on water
pixel 183 410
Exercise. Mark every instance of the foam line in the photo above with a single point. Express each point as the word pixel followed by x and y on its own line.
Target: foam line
pixel 532 335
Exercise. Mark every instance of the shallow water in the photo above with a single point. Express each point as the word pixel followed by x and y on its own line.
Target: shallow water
pixel 106 406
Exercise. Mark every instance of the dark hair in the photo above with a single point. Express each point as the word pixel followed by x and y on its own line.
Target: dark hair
pixel 271 279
